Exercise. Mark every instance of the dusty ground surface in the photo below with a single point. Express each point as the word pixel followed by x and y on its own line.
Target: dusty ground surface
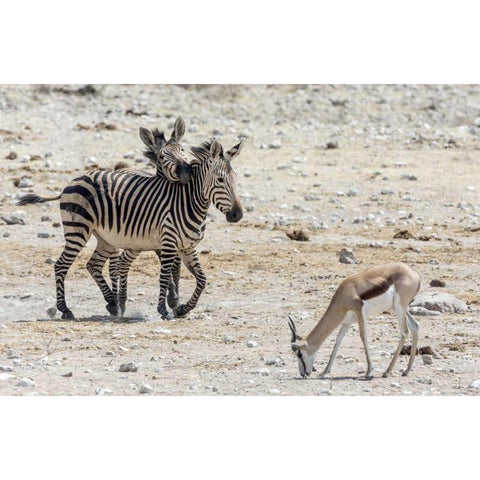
pixel 407 158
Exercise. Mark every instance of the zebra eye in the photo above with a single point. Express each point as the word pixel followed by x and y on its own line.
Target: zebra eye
pixel 221 180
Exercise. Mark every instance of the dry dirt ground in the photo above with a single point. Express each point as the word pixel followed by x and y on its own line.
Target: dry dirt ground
pixel 405 158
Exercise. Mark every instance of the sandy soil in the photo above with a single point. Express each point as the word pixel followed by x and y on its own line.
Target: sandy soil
pixel 407 159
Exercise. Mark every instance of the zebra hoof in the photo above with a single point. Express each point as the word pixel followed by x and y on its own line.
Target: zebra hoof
pixel 173 301
pixel 112 309
pixel 179 311
pixel 68 315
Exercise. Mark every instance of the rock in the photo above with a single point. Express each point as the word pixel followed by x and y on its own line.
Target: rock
pixel 298 235
pixel 11 156
pixel 423 312
pixel 161 330
pixel 46 218
pixel 406 176
pixel 13 220
pixel 26 382
pixel 405 234
pixel 331 145
pixel 427 359
pixel 274 391
pixel 193 128
pixel 68 375
pixel 264 372
pixel 353 192
pixel 227 340
pixel 103 391
pixel 6 376
pixel 6 368
pixel 50 261
pixel 145 388
pixel 252 344
pixel 128 156
pixel 275 144
pixel 128 367
pixel 346 255
pixel 475 384
pixel 437 283
pixel 12 354
pixel 440 302
pixel 51 312
pixel 6 234
pixel 43 235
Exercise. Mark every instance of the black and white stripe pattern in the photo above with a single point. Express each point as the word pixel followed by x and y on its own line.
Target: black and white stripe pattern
pixel 135 211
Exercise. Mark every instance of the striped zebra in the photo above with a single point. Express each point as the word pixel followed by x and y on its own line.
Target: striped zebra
pixel 135 211
pixel 169 159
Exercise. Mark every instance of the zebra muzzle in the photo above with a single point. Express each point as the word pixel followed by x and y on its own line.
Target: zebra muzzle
pixel 234 215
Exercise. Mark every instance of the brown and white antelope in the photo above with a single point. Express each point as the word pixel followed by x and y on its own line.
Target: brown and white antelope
pixel 390 286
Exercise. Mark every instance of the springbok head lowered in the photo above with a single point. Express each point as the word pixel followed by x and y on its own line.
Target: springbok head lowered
pixel 300 348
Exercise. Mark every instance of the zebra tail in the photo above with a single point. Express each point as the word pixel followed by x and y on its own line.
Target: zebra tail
pixel 32 198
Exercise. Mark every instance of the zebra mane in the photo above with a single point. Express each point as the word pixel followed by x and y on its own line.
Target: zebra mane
pixel 202 153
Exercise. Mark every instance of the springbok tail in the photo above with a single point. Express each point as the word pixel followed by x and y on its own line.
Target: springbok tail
pixel 32 198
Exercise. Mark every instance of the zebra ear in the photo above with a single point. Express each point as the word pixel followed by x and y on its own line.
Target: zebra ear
pixel 234 151
pixel 178 130
pixel 146 136
pixel 216 150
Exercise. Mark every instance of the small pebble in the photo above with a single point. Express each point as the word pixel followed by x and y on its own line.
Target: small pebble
pixel 145 388
pixel 264 372
pixel 475 384
pixel 26 382
pixel 43 235
pixel 128 367
pixel 427 359
pixel 103 391
pixel 252 344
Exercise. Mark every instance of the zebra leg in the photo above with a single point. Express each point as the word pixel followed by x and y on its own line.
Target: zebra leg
pixel 95 267
pixel 173 298
pixel 74 242
pixel 113 272
pixel 123 266
pixel 190 259
pixel 167 259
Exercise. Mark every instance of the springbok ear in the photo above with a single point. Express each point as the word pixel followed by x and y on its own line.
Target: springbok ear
pixel 178 130
pixel 216 150
pixel 234 151
pixel 146 136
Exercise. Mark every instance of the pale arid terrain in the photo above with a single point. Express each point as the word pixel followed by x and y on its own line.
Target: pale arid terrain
pixel 353 165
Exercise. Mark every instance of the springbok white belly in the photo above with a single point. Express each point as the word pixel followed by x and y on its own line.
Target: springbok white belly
pixel 381 303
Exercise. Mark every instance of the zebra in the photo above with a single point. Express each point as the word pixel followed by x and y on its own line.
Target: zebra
pixel 127 210
pixel 190 259
pixel 169 159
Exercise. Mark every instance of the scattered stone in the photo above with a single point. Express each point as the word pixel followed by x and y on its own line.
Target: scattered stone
pixel 123 349
pixel 440 302
pixel 46 218
pixel 406 176
pixel 275 144
pixel 26 382
pixel 128 367
pixel 4 327
pixel 426 381
pixel 252 344
pixel 68 375
pixel 423 312
pixel 11 354
pixel 51 312
pixel 43 235
pixel 475 384
pixel 145 388
pixel 11 156
pixel 227 340
pixel 13 220
pixel 193 128
pixel 50 261
pixel 264 372
pixel 437 283
pixel 6 234
pixel 103 391
pixel 6 376
pixel 405 235
pixel 274 391
pixel 427 359
pixel 110 353
pixel 161 330
pixel 347 256
pixel 331 145
pixel 298 235
pixel 120 165
pixel 353 192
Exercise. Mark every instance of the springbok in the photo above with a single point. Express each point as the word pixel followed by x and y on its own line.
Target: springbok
pixel 390 286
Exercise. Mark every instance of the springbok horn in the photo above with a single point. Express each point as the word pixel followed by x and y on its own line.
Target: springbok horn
pixel 293 329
